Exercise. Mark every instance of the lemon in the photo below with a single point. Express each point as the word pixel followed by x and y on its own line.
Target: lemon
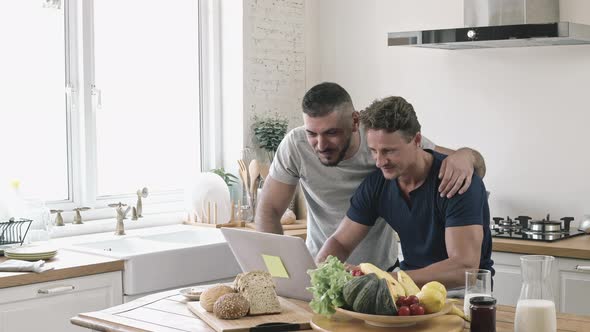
pixel 436 286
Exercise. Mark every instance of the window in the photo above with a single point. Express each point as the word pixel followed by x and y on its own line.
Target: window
pixel 146 67
pixel 99 99
pixel 33 123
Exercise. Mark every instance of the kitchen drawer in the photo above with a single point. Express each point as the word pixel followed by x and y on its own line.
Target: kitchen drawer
pixel 49 306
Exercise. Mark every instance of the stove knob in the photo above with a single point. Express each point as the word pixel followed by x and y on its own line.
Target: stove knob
pixel 523 221
pixel 471 34
pixel 566 223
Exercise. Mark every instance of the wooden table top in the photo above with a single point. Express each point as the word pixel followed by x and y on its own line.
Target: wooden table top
pixel 167 312
pixel 67 264
pixel 575 247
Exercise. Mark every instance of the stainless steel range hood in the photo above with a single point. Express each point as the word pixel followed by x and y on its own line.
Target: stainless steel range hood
pixel 500 23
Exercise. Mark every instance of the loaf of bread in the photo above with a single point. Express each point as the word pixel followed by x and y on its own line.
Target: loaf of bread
pixel 211 294
pixel 231 306
pixel 288 217
pixel 258 288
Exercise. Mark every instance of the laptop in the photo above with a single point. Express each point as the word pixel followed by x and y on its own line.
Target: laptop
pixel 285 257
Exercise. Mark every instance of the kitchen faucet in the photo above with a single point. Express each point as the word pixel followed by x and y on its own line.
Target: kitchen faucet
pixel 120 229
pixel 59 220
pixel 141 193
pixel 78 216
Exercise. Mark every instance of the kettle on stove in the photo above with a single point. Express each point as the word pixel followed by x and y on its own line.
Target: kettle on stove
pixel 585 224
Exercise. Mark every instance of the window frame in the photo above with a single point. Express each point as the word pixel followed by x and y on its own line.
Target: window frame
pixel 81 92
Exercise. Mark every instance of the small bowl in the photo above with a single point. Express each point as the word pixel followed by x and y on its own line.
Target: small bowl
pixel 192 293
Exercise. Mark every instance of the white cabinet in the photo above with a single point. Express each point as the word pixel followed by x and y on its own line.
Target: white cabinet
pixel 570 282
pixel 48 306
pixel 574 286
pixel 507 280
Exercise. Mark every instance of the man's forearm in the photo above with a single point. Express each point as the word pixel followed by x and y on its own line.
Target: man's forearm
pixel 479 164
pixel 267 219
pixel 450 272
pixel 334 248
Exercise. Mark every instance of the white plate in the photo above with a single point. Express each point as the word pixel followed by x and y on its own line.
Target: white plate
pixel 48 255
pixel 31 250
pixel 31 259
pixel 192 293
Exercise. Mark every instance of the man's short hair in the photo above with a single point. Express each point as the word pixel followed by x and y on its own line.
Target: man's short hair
pixel 321 99
pixel 391 114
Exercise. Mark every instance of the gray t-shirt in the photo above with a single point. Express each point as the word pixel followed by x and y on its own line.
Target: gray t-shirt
pixel 328 191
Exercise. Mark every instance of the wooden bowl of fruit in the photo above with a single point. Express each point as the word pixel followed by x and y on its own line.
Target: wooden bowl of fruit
pixel 394 321
pixel 373 296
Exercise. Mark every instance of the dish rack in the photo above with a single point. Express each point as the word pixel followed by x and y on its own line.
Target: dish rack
pixel 14 231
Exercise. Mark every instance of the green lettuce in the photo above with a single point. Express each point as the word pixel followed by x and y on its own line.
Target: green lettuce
pixel 327 282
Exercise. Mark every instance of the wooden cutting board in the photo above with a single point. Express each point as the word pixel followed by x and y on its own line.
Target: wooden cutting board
pixel 291 314
pixel 298 224
pixel 342 323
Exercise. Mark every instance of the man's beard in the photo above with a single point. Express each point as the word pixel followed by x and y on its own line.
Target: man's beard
pixel 340 155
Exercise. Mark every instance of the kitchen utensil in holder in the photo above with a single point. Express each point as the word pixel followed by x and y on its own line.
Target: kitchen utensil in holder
pixel 14 231
pixel 207 219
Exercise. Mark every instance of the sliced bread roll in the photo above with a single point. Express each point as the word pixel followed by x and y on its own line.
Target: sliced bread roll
pixel 258 288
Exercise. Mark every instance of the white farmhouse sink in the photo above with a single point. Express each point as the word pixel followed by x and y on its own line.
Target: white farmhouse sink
pixel 124 247
pixel 166 257
pixel 202 236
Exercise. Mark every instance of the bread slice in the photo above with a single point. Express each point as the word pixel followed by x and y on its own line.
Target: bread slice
pixel 258 288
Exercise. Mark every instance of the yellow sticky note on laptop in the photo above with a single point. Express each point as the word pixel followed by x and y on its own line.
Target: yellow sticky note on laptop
pixel 275 266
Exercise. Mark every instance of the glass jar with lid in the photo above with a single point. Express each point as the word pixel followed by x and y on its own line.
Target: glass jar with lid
pixel 483 314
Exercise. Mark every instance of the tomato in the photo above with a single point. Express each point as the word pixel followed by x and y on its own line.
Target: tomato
pixel 401 301
pixel 357 273
pixel 412 299
pixel 403 311
pixel 417 309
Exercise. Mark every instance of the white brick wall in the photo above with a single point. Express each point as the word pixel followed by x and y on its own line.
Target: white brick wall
pixel 274 61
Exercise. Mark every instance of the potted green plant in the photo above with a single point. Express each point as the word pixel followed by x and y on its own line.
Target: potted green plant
pixel 269 132
pixel 229 178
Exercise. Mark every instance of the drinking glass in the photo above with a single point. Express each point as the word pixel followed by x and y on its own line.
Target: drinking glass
pixel 478 282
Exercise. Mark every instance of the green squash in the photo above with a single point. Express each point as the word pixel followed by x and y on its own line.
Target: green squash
pixel 365 299
pixel 352 288
pixel 384 303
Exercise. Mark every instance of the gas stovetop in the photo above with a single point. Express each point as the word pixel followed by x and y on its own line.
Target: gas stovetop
pixel 523 228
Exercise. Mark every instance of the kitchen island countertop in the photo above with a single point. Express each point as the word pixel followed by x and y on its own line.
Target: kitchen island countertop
pixel 167 312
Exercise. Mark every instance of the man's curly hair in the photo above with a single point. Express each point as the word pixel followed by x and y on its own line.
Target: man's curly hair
pixel 391 114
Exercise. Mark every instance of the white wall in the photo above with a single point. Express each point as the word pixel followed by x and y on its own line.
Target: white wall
pixel 525 109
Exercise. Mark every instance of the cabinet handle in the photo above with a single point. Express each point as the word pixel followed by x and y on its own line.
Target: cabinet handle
pixel 583 268
pixel 56 289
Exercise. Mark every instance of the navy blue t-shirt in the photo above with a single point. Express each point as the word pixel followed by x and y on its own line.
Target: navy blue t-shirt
pixel 421 224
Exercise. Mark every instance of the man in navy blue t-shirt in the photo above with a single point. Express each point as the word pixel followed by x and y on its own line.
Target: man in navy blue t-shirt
pixel 440 237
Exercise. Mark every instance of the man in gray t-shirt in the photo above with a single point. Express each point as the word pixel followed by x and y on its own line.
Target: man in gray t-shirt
pixel 329 157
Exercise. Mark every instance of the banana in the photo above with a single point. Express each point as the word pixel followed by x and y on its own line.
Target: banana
pixel 370 268
pixel 458 312
pixel 407 282
pixel 398 289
